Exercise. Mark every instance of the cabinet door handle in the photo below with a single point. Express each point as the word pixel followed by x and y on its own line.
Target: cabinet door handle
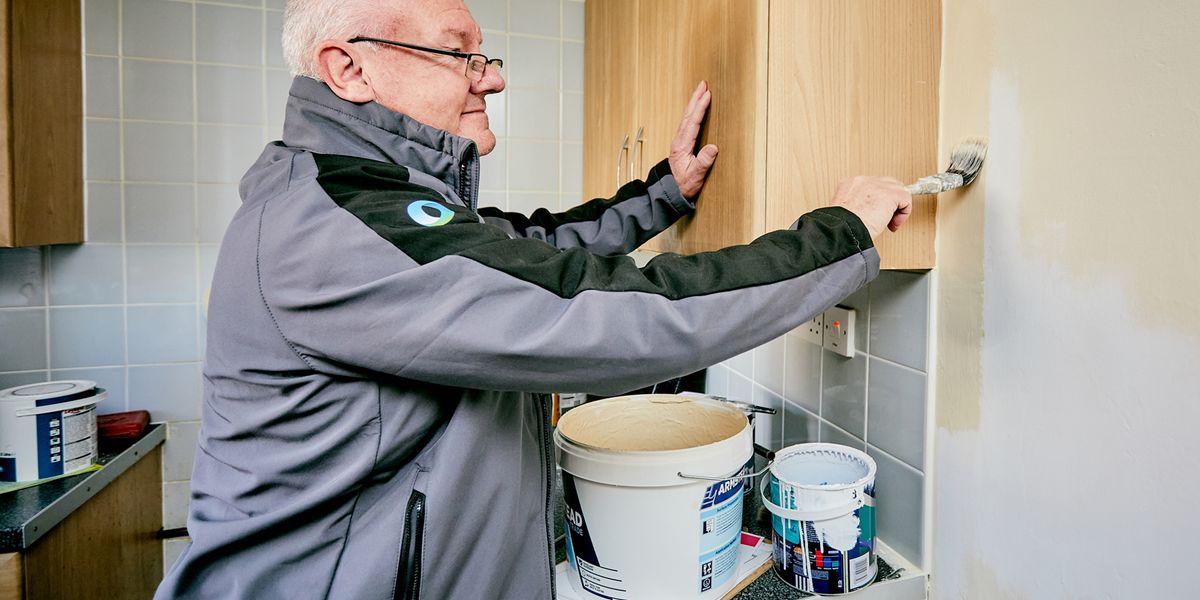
pixel 635 158
pixel 621 157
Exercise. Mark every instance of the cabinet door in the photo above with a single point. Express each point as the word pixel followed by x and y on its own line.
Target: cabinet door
pixel 610 78
pixel 854 91
pixel 724 43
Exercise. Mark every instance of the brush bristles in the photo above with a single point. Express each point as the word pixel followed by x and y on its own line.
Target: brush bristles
pixel 966 158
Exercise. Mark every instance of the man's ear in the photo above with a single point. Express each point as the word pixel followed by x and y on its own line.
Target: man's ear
pixel 340 66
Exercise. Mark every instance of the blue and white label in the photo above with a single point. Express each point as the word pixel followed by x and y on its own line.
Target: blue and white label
pixel 720 530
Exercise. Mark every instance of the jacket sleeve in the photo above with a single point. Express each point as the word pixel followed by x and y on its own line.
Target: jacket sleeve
pixel 605 226
pixel 394 282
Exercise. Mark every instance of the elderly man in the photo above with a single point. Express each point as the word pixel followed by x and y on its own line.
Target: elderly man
pixel 376 423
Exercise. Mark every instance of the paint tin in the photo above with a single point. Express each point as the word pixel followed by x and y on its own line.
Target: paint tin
pixel 822 500
pixel 48 429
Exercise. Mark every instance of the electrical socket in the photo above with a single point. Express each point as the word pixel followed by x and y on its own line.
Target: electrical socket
pixel 812 331
pixel 839 331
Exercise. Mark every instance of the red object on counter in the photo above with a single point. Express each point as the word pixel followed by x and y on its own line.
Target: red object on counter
pixel 123 425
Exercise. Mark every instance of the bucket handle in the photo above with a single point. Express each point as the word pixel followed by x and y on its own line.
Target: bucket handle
pixel 761 451
pixel 49 408
pixel 807 515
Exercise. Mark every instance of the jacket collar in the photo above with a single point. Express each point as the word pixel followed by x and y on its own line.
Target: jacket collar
pixel 319 121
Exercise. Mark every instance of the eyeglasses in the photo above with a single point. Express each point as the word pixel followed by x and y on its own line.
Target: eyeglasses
pixel 477 64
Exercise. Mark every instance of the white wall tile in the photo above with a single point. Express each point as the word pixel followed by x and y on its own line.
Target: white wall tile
pixel 572 117
pixel 22 282
pixel 532 62
pixel 158 213
pixel 26 327
pixel 900 317
pixel 572 68
pixel 899 498
pixel 573 21
pixel 155 29
pixel 176 497
pixel 100 26
pixel 493 168
pixel 229 95
pixel 160 274
pixel 231 35
pixel 527 202
pixel 162 334
pixel 103 150
pixel 274 41
pixel 533 113
pixel 539 17
pixel 104 213
pixel 278 84
pixel 740 388
pixel 490 14
pixel 225 152
pixel 88 274
pixel 896 411
pixel 103 91
pixel 742 363
pixel 497 113
pixel 180 450
pixel 216 204
pixel 157 91
pixel 158 152
pixel 572 169
pixel 87 337
pixel 535 171
pixel 844 392
pixel 169 392
pixel 8 380
pixel 172 548
pixel 110 379
pixel 716 380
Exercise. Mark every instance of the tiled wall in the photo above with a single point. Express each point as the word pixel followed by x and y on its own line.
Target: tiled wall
pixel 877 400
pixel 180 98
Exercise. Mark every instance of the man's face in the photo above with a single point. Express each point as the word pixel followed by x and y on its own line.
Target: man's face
pixel 432 88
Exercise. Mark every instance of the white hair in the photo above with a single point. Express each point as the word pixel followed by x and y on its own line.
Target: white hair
pixel 307 23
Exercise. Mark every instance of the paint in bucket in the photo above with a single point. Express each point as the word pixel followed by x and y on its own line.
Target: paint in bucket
pixel 637 525
pixel 822 500
pixel 48 429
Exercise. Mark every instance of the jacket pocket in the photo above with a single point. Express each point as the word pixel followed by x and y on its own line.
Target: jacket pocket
pixel 408 570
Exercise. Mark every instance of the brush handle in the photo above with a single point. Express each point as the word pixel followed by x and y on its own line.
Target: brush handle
pixel 935 184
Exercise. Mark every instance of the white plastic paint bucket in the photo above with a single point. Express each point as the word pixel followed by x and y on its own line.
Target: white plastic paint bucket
pixel 822 498
pixel 639 523
pixel 48 429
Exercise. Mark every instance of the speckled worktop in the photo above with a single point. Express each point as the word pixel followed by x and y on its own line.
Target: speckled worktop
pixel 756 520
pixel 28 514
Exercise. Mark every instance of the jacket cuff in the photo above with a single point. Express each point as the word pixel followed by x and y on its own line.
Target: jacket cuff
pixel 660 176
pixel 858 231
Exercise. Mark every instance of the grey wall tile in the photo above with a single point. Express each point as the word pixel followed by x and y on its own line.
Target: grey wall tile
pixel 21 278
pixel 740 388
pixel 88 274
pixel 226 34
pixel 8 380
pixel 24 344
pixel 161 274
pixel 832 434
pixel 154 29
pixel 111 379
pixel 103 150
pixel 534 113
pixel 540 17
pixel 104 213
pixel 100 26
pixel 490 14
pixel 799 425
pixel 103 89
pixel 572 67
pixel 896 401
pixel 225 152
pixel 216 205
pixel 169 392
pixel 161 334
pixel 844 392
pixel 769 365
pixel 156 213
pixel 493 168
pixel 573 21
pixel 159 152
pixel 275 4
pixel 716 380
pixel 180 450
pixel 802 373
pixel 87 337
pixel 899 498
pixel 176 497
pixel 157 91
pixel 768 429
pixel 900 317
pixel 742 363
pixel 533 62
pixel 531 172
pixel 229 95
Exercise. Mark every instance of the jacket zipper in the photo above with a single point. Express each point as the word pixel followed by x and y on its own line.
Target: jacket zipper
pixel 545 428
pixel 408 576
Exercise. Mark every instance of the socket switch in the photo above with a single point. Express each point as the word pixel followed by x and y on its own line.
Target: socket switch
pixel 839 331
pixel 813 330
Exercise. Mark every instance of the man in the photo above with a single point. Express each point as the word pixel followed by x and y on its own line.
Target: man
pixel 375 421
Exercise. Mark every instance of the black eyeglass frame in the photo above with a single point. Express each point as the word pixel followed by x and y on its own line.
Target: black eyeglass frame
pixel 498 63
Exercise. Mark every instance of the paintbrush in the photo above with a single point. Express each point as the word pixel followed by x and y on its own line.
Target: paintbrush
pixel 965 160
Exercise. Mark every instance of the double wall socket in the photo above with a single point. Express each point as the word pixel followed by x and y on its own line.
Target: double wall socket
pixel 832 330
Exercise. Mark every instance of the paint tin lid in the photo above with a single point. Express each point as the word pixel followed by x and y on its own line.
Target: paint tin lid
pixel 52 391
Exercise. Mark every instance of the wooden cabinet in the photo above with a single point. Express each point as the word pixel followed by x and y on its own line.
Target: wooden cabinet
pixel 41 123
pixel 805 93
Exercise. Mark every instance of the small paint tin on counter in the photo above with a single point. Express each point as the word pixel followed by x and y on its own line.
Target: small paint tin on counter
pixel 822 501
pixel 48 429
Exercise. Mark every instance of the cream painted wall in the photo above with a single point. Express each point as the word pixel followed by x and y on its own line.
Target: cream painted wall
pixel 1067 455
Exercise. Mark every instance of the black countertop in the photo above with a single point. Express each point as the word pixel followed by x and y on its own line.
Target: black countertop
pixel 28 514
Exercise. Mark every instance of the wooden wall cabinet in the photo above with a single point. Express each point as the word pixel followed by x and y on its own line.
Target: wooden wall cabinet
pixel 41 123
pixel 805 93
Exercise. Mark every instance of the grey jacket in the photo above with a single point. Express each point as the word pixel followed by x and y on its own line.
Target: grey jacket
pixel 375 423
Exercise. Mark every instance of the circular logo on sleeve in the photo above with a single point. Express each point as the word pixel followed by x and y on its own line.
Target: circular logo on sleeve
pixel 429 213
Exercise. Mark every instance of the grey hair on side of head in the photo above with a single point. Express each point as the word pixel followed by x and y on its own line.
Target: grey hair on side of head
pixel 307 23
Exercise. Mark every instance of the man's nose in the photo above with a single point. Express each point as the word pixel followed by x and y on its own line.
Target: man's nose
pixel 492 82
